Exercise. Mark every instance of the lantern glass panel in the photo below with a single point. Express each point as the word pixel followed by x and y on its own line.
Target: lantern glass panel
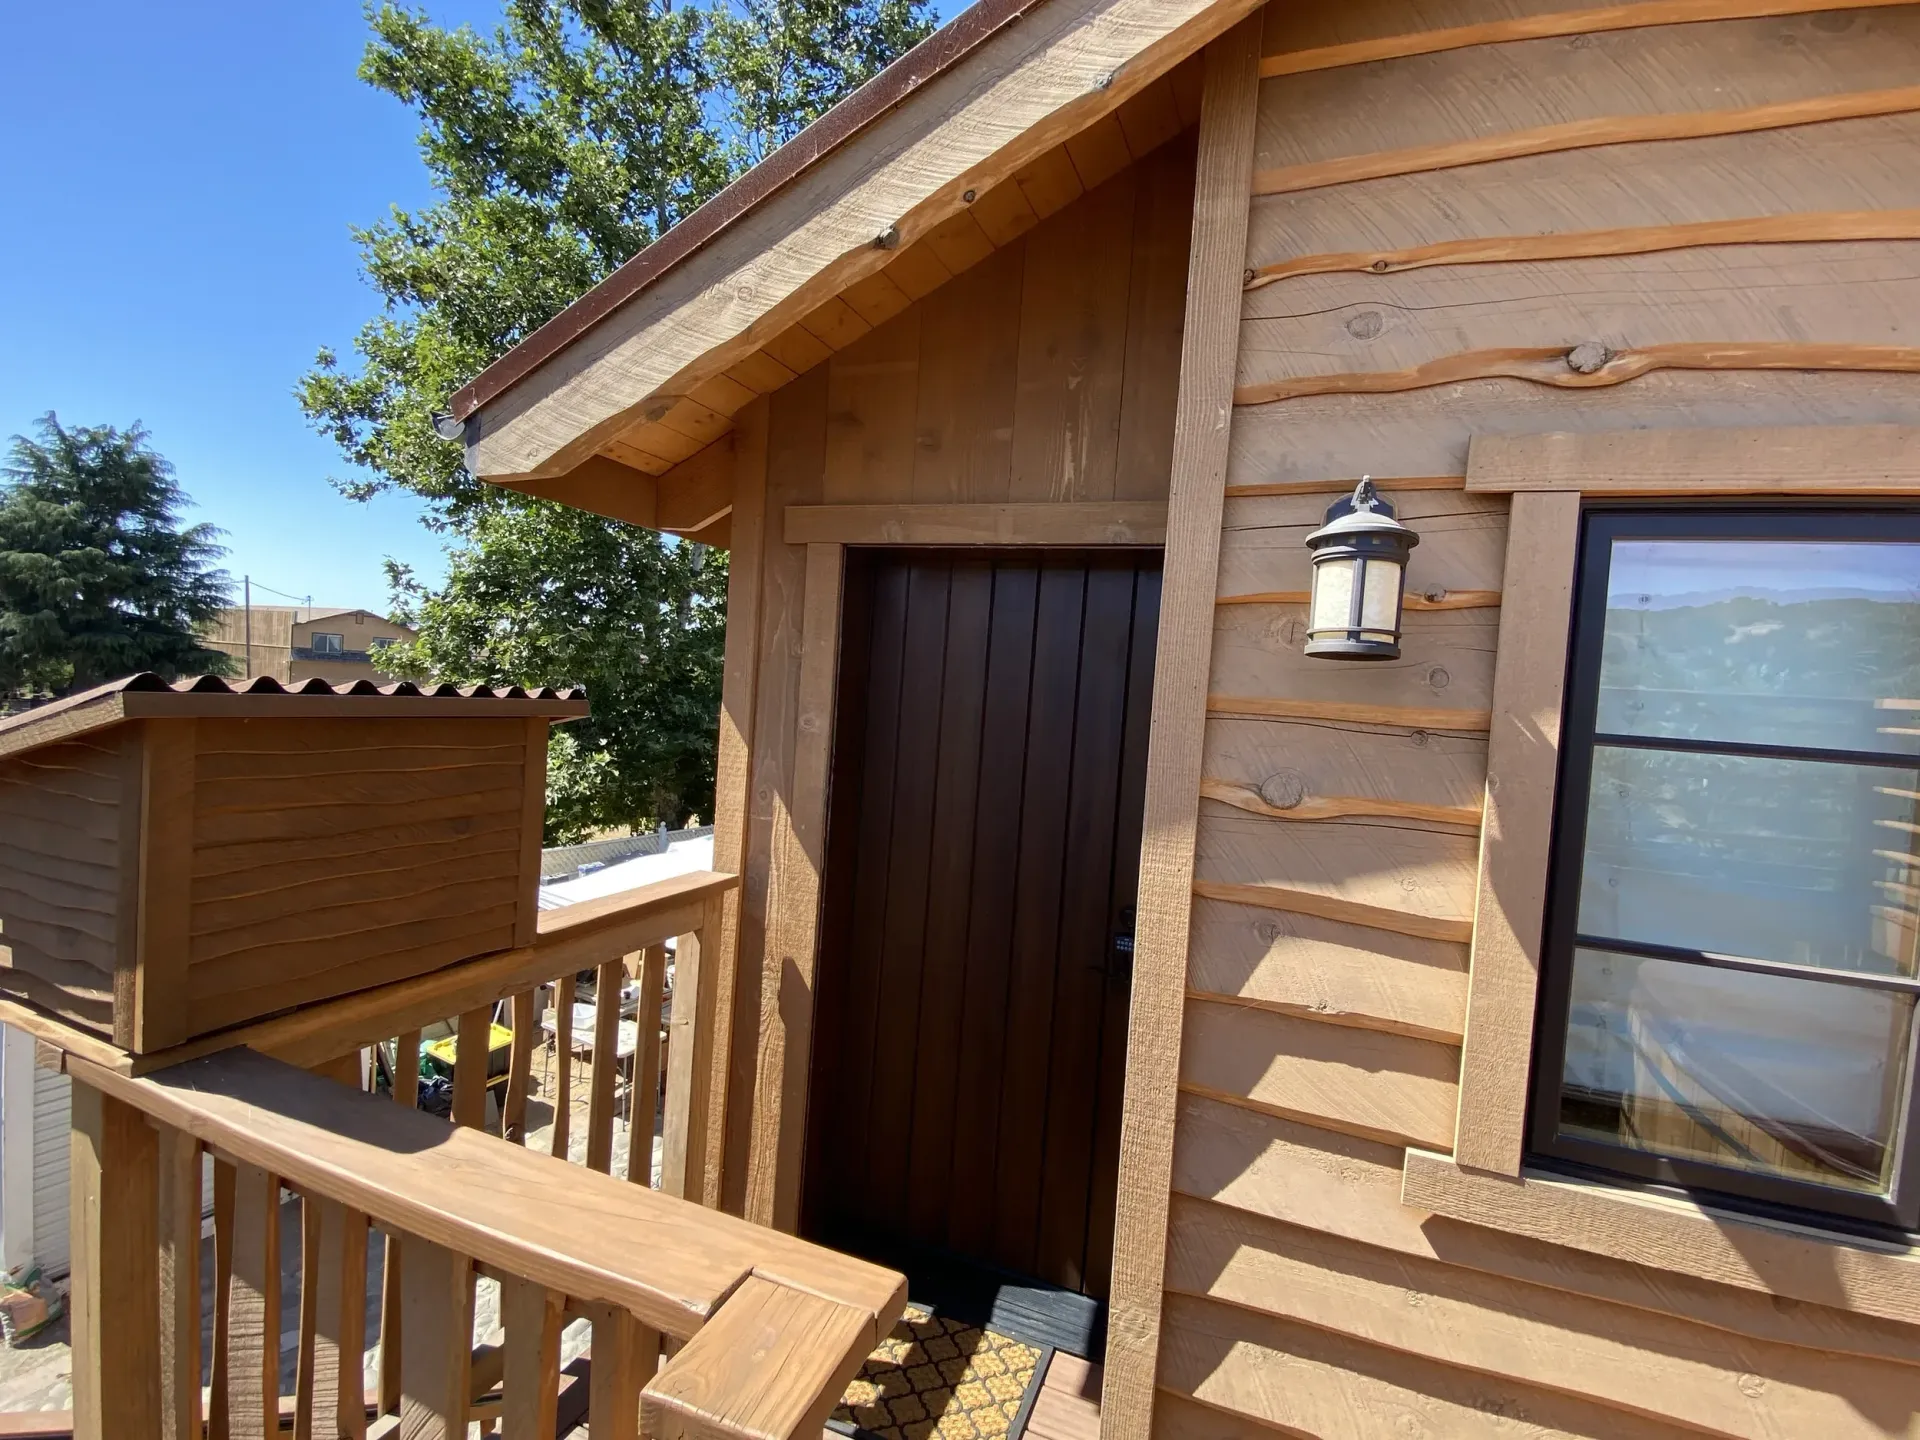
pixel 1333 594
pixel 1380 600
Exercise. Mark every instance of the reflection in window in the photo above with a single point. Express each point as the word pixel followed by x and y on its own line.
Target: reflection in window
pixel 1733 961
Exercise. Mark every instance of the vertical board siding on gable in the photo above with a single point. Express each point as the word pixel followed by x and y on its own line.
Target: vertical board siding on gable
pixel 1044 372
pixel 1303 1296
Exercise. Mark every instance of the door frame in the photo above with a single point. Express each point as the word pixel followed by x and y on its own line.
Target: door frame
pixel 790 956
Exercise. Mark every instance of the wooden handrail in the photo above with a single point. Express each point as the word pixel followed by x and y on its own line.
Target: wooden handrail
pixel 592 1236
pixel 773 1326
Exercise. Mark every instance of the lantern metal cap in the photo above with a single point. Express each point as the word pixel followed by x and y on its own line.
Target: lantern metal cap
pixel 1364 513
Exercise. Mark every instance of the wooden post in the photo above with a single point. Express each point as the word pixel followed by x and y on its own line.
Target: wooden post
pixel 179 1237
pixel 253 1307
pixel 625 1356
pixel 472 1054
pixel 787 971
pixel 406 1091
pixel 437 1298
pixel 694 1140
pixel 115 1289
pixel 1203 413
pixel 533 1316
pixel 643 1100
pixel 606 1064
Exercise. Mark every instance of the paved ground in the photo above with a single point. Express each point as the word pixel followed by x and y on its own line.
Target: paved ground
pixel 37 1375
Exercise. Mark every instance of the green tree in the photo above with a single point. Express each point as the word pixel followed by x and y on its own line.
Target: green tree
pixel 542 595
pixel 561 144
pixel 97 579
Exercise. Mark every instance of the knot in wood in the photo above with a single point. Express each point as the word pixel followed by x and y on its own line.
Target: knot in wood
pixel 1588 357
pixel 1367 325
pixel 1284 789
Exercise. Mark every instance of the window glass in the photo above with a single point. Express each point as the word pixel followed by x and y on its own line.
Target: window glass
pixel 325 644
pixel 1758 1072
pixel 1773 642
pixel 1733 957
pixel 1803 862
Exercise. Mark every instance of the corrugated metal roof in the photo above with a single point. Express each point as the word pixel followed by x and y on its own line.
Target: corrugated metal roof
pixel 147 694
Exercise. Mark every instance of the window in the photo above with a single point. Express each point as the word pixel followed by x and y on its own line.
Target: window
pixel 379 643
pixel 325 644
pixel 1727 1002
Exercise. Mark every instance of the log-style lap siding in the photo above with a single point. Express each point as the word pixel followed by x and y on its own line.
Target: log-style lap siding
pixel 1379 335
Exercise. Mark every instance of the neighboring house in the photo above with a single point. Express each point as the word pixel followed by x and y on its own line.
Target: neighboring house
pixel 34 1136
pixel 1517 1036
pixel 290 644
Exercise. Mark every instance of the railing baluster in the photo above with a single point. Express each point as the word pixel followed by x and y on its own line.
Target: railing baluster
pixel 114 1180
pixel 606 1064
pixel 643 1099
pixel 437 1296
pixel 534 1316
pixel 330 1396
pixel 526 1024
pixel 562 1063
pixel 225 1183
pixel 406 1091
pixel 624 1357
pixel 253 1307
pixel 179 1230
pixel 683 1169
pixel 472 1051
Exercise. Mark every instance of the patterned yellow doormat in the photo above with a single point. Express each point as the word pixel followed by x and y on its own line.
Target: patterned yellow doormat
pixel 935 1378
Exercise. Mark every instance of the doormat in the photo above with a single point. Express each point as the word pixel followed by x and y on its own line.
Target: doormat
pixel 939 1378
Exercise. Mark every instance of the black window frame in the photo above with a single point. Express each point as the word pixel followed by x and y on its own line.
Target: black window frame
pixel 1896 1214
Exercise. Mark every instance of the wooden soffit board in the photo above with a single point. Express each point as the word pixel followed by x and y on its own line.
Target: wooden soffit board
pixel 1111 522
pixel 1064 66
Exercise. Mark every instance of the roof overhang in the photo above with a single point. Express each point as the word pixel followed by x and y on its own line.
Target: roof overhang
pixel 999 87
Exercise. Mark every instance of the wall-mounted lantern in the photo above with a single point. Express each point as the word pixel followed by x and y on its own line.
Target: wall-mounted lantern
pixel 1359 575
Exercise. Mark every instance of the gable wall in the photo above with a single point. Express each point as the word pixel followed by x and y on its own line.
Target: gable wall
pixel 1043 372
pixel 1323 1026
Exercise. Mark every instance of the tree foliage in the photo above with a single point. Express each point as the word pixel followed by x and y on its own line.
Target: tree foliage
pixel 97 579
pixel 543 595
pixel 561 144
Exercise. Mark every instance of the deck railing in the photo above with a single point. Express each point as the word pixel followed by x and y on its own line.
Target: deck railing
pixel 763 1330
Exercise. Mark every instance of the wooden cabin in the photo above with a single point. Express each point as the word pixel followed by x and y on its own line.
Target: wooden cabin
pixel 1514 1037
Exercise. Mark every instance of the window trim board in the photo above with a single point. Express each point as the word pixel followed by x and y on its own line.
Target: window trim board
pixel 1484 1182
pixel 1665 1232
pixel 1523 765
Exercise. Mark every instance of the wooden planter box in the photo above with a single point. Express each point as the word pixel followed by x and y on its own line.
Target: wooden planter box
pixel 174 861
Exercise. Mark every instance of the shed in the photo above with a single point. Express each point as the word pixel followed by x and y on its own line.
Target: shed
pixel 1514 1037
pixel 179 858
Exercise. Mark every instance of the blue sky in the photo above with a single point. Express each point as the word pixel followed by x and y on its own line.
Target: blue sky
pixel 180 179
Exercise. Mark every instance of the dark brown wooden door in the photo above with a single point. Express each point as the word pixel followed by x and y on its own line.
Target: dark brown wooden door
pixel 984 843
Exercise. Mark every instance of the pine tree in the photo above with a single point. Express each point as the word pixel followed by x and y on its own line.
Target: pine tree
pixel 97 579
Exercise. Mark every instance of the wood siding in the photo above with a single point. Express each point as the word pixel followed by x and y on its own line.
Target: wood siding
pixel 1042 372
pixel 1441 219
pixel 334 854
pixel 61 866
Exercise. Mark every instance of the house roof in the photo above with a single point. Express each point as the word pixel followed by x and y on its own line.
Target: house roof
pixel 996 91
pixel 146 695
pixel 933 56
